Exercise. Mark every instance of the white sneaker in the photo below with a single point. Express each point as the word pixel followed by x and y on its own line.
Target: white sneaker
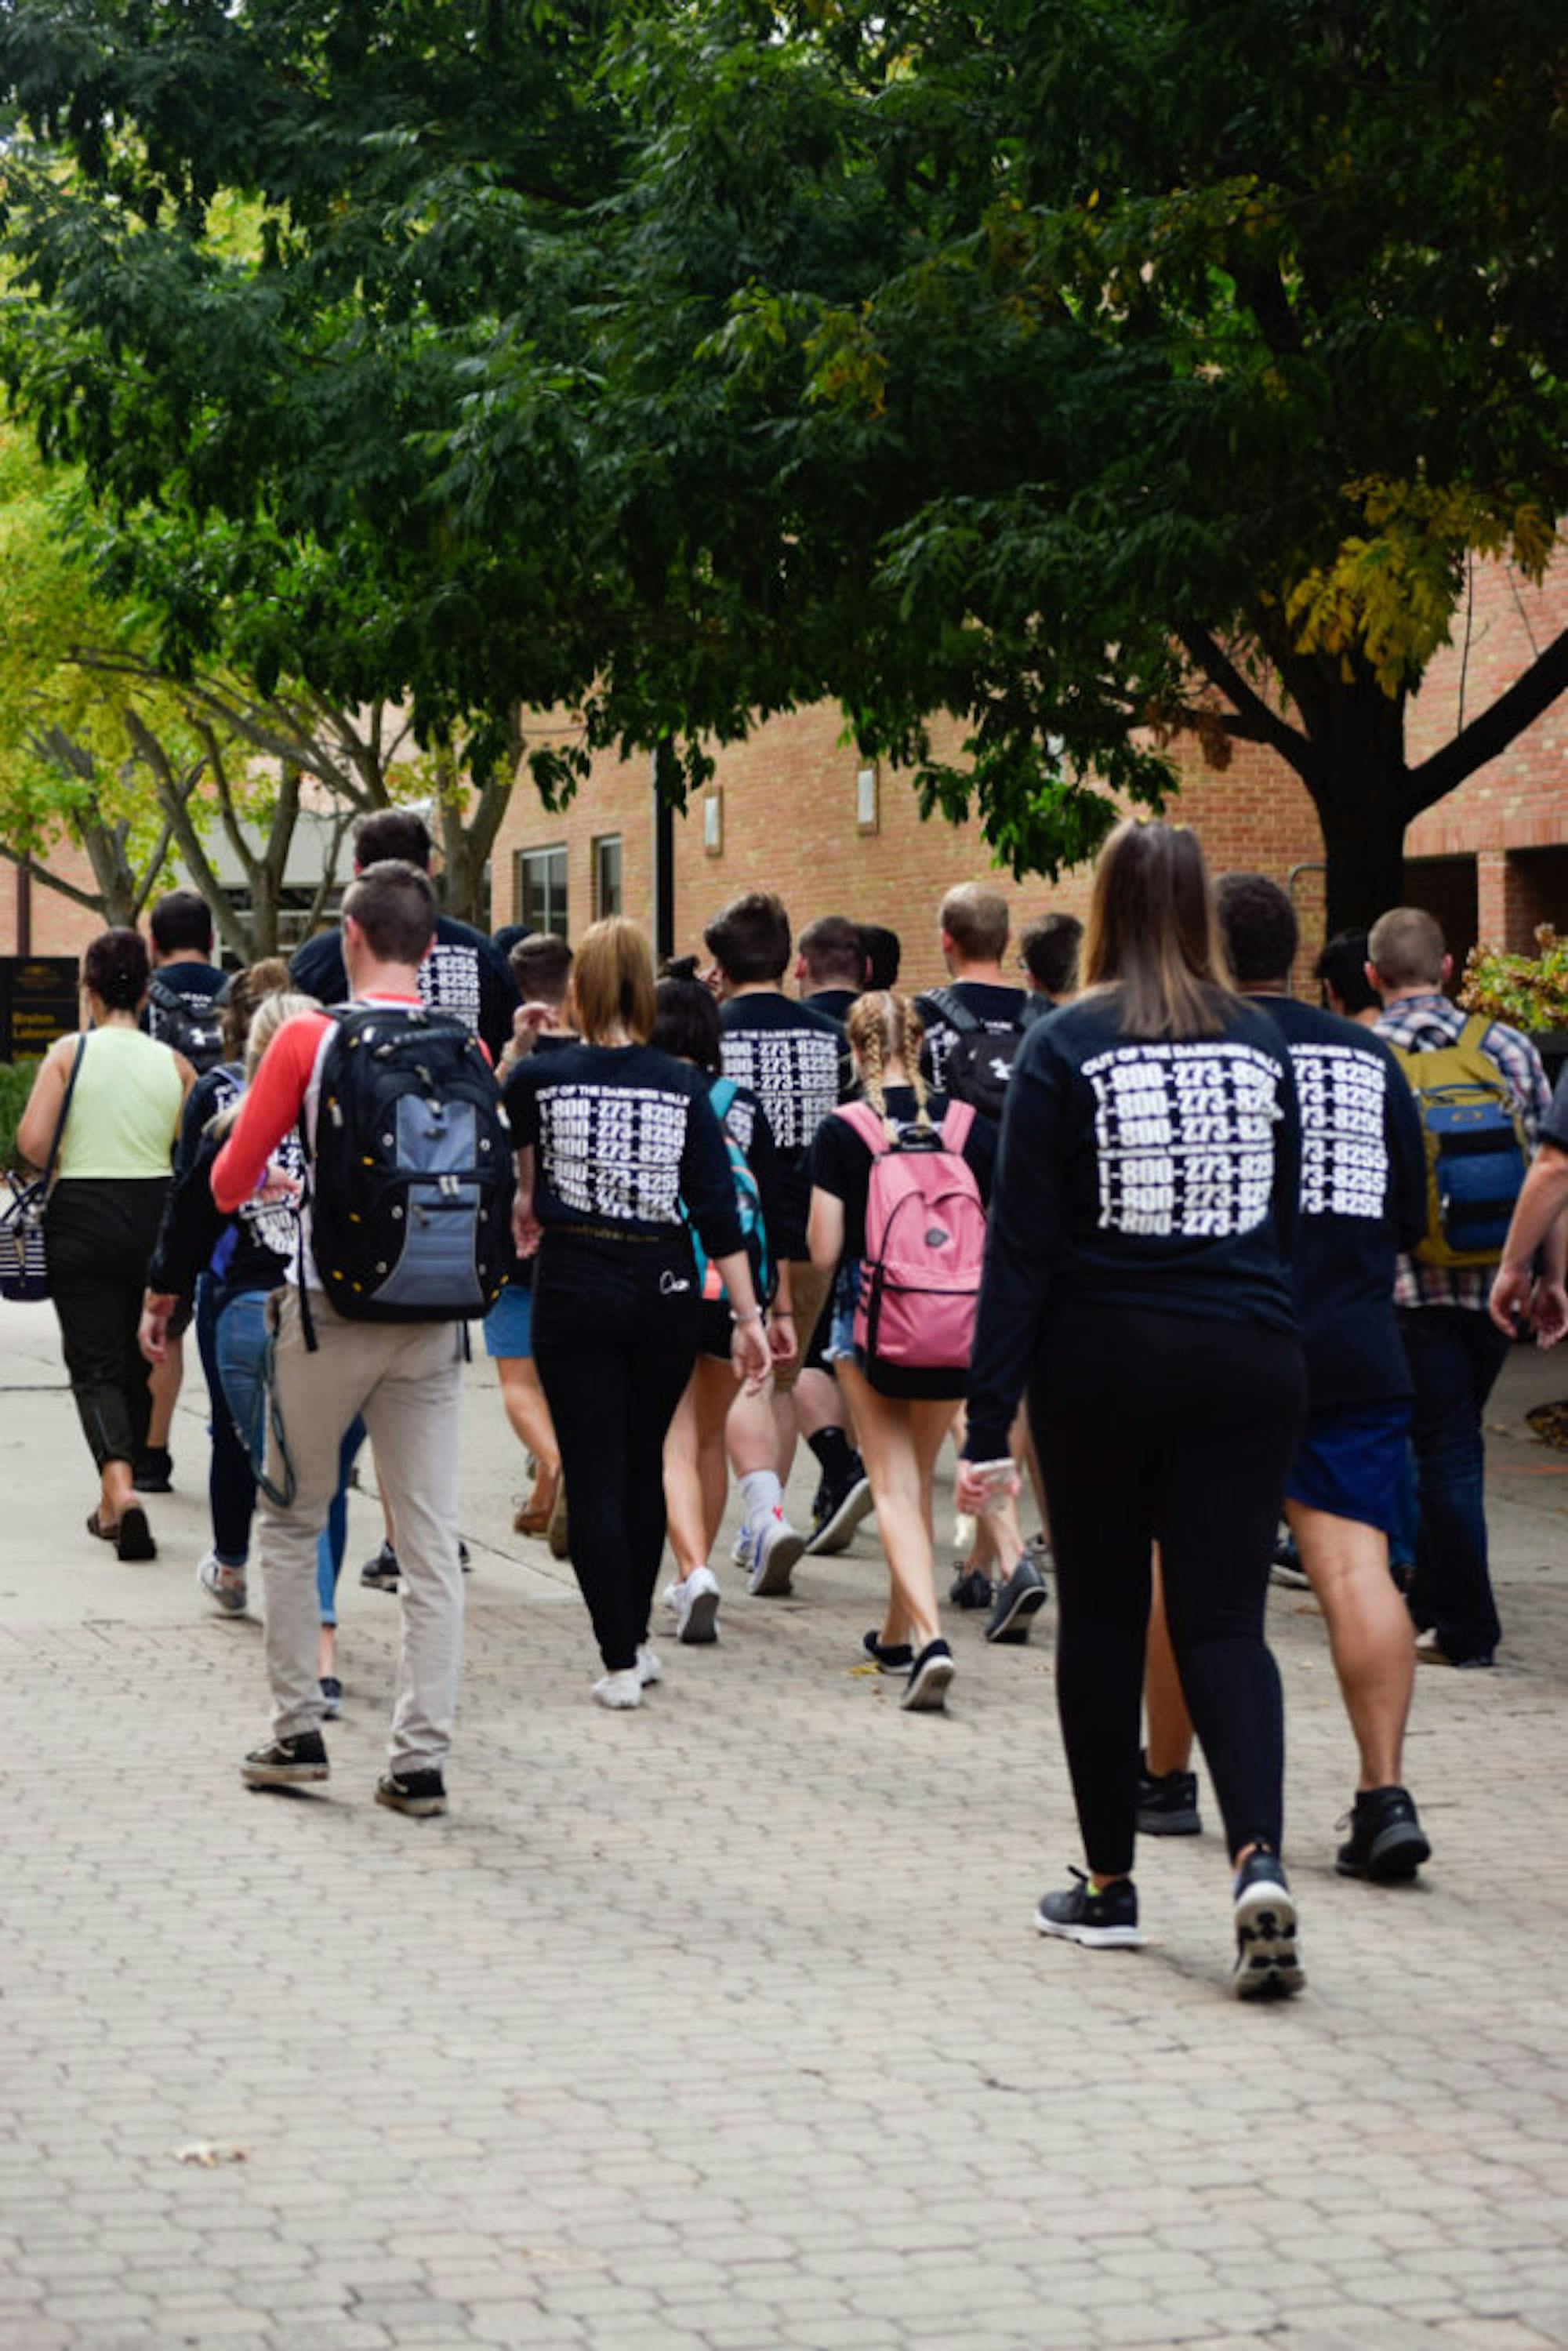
pixel 740 1548
pixel 775 1550
pixel 224 1586
pixel 649 1669
pixel 619 1690
pixel 696 1603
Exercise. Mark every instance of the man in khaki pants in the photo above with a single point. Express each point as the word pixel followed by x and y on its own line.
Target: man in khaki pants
pixel 405 1378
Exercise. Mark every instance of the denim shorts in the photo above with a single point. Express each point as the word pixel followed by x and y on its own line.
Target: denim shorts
pixel 840 1346
pixel 1352 1464
pixel 509 1325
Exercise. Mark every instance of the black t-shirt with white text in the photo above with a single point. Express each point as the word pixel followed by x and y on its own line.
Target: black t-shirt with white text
pixel 621 1135
pixel 1362 1199
pixel 795 1060
pixel 1159 1174
pixel 464 973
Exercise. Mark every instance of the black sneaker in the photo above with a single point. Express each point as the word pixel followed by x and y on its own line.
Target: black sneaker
pixel 463 1562
pixel 1385 1842
pixel 382 1572
pixel 927 1690
pixel 839 1509
pixel 971 1588
pixel 887 1656
pixel 1105 1922
pixel 420 1794
pixel 1167 1802
pixel 154 1470
pixel 1021 1597
pixel 287 1762
pixel 1267 1965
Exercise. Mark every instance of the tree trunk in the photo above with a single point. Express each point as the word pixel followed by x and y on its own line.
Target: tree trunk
pixel 1363 841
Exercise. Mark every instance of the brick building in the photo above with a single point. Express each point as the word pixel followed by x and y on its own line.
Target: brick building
pixel 794 810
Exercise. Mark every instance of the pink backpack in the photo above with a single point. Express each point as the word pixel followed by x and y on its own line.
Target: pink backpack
pixel 924 1241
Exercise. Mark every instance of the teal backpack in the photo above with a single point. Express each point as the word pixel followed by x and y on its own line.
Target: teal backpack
pixel 748 1207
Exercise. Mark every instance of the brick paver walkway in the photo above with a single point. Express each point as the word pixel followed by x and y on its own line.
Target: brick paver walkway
pixel 723 2023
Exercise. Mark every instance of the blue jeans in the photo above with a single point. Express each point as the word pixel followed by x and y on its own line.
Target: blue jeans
pixel 1455 1354
pixel 240 1346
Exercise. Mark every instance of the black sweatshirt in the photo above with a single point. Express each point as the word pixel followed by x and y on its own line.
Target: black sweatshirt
pixel 795 1060
pixel 1362 1199
pixel 464 973
pixel 1134 1172
pixel 621 1137
pixel 251 1250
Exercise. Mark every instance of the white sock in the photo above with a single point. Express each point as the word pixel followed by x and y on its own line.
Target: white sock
pixel 761 1495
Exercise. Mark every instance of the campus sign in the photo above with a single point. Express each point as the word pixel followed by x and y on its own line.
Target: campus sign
pixel 37 1004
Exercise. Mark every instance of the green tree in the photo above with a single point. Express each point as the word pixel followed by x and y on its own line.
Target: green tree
pixel 1101 372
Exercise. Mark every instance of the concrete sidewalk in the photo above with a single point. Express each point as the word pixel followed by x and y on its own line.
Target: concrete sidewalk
pixel 723 2023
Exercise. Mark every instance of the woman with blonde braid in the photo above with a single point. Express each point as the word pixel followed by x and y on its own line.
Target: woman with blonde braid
pixel 901 1415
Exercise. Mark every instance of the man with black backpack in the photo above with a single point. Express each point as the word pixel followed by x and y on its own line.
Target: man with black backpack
pixel 405 1232
pixel 976 1024
pixel 1494 1077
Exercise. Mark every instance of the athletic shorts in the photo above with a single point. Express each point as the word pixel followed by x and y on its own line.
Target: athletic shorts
pixel 1350 1464
pixel 716 1328
pixel 508 1326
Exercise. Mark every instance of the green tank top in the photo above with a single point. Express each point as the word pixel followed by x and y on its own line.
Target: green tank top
pixel 125 1111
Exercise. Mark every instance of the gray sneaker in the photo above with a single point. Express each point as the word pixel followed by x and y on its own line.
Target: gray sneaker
pixel 1021 1597
pixel 224 1586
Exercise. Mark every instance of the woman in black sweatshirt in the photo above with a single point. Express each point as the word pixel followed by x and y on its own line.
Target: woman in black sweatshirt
pixel 613 1136
pixel 1137 1281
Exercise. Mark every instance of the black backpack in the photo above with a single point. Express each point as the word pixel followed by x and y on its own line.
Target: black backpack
pixel 979 1061
pixel 193 1024
pixel 411 1179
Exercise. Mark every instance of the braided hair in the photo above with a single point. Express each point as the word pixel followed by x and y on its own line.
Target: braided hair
pixel 886 1027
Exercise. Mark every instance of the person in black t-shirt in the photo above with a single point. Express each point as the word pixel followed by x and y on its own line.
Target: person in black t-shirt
pixel 1362 1199
pixel 831 965
pixel 973 929
pixel 617 1148
pixel 902 1415
pixel 1138 1277
pixel 465 973
pixel 795 1060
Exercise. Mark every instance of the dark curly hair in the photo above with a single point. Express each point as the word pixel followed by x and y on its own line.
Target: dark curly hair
pixel 115 967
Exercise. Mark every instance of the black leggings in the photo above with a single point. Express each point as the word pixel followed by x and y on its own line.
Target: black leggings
pixel 1173 1429
pixel 99 1237
pixel 615 1333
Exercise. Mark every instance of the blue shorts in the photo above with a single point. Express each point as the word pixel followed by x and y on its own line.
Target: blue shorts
pixel 1352 1464
pixel 509 1325
pixel 840 1342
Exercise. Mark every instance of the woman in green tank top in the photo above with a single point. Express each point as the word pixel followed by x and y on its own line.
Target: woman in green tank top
pixel 111 1173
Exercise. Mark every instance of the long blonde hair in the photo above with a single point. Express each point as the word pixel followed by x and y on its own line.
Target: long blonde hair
pixel 264 1023
pixel 885 1027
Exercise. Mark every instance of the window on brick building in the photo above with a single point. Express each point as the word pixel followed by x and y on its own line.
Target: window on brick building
pixel 606 875
pixel 541 889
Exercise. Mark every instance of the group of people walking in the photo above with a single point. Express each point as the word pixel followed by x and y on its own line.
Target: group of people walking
pixel 1150 1231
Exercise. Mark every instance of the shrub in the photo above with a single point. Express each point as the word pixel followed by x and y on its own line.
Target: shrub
pixel 16 1085
pixel 1529 992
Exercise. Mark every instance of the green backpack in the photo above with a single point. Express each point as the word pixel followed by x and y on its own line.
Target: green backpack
pixel 1476 1150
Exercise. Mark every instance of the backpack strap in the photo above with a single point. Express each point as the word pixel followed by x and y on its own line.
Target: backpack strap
pixel 1472 1036
pixel 956 1126
pixel 953 1011
pixel 861 1116
pixel 721 1093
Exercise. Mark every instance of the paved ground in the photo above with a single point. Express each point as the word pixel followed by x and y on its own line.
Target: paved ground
pixel 724 2024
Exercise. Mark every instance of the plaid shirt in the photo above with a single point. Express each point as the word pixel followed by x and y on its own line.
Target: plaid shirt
pixel 1421 1024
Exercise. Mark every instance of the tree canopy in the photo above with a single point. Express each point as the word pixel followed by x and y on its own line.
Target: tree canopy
pixel 1103 372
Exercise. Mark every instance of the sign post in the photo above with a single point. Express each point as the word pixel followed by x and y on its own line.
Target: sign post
pixel 38 1002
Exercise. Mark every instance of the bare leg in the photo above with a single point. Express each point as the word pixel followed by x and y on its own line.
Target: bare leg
pixel 751 1434
pixel 117 1491
pixel 696 1475
pixel 1371 1638
pixel 1022 1441
pixel 900 1440
pixel 821 1404
pixel 163 1385
pixel 523 1400
pixel 1170 1725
